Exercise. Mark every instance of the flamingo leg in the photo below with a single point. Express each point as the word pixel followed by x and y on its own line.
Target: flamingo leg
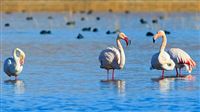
pixel 16 78
pixel 180 74
pixel 107 74
pixel 113 75
pixel 162 74
pixel 176 72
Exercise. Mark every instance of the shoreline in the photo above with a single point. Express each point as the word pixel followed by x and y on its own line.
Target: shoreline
pixel 100 6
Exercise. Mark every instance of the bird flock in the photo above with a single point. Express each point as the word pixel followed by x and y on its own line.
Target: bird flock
pixel 113 58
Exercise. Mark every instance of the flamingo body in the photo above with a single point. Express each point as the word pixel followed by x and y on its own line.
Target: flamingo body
pixel 10 67
pixel 162 61
pixel 181 59
pixel 110 58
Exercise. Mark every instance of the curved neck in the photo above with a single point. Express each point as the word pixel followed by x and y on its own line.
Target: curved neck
pixel 15 57
pixel 122 55
pixel 164 43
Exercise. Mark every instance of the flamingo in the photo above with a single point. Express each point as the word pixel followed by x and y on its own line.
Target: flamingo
pixel 181 59
pixel 162 60
pixel 14 66
pixel 112 57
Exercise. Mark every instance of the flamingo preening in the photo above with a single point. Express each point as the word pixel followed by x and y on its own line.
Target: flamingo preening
pixel 112 57
pixel 13 66
pixel 162 60
pixel 181 59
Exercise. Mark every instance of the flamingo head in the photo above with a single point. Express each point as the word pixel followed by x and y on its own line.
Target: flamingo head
pixel 125 38
pixel 160 33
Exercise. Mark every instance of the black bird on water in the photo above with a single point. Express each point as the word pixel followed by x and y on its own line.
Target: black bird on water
pixel 80 36
pixel 142 21
pixel 149 34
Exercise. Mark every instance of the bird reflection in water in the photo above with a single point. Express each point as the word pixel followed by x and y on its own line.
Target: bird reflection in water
pixel 19 85
pixel 120 85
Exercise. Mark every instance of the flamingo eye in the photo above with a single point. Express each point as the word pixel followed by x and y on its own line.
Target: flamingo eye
pixel 169 64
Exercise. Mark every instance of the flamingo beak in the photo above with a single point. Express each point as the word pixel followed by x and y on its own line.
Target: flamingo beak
pixel 154 40
pixel 127 41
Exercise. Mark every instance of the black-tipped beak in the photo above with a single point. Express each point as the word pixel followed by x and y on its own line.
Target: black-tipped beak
pixel 126 40
pixel 154 40
pixel 129 42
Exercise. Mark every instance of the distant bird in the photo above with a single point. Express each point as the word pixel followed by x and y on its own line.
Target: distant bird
pixel 7 25
pixel 161 17
pixel 97 18
pixel 82 19
pixel 110 10
pixel 154 21
pixel 13 66
pixel 162 60
pixel 112 57
pixel 29 18
pixel 70 23
pixel 142 21
pixel 149 34
pixel 45 32
pixel 86 29
pixel 108 32
pixel 181 59
pixel 82 11
pixel 95 30
pixel 80 36
pixel 166 32
pixel 89 12
pixel 50 17
pixel 127 11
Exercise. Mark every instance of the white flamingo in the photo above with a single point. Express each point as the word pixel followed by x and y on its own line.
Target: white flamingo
pixel 113 58
pixel 13 66
pixel 181 59
pixel 162 60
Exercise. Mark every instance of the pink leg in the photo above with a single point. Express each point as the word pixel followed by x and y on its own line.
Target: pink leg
pixel 113 75
pixel 176 72
pixel 16 78
pixel 107 74
pixel 162 74
pixel 180 74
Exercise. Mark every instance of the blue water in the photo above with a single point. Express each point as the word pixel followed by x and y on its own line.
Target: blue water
pixel 62 74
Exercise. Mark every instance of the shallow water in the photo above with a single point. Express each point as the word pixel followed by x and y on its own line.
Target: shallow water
pixel 61 73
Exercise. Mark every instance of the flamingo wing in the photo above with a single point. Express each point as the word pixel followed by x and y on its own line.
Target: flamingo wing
pixel 181 57
pixel 109 58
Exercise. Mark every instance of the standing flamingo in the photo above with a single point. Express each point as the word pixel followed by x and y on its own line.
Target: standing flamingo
pixel 162 60
pixel 181 59
pixel 13 66
pixel 113 58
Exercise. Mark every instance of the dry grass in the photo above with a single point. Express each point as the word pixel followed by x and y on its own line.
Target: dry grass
pixel 102 5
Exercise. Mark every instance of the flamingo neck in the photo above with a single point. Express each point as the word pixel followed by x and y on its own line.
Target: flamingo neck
pixel 122 54
pixel 16 58
pixel 164 43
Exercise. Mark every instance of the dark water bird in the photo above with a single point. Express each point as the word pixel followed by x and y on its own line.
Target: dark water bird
pixel 86 29
pixel 149 34
pixel 13 66
pixel 112 32
pixel 43 32
pixel 127 11
pixel 154 21
pixel 80 36
pixel 161 17
pixel 8 12
pixel 166 32
pixel 89 12
pixel 50 17
pixel 142 21
pixel 95 30
pixel 97 18
pixel 113 58
pixel 82 19
pixel 110 10
pixel 23 11
pixel 82 11
pixel 7 25
pixel 70 23
pixel 29 18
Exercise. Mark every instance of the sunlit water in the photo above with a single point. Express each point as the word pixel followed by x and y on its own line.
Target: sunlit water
pixel 62 74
